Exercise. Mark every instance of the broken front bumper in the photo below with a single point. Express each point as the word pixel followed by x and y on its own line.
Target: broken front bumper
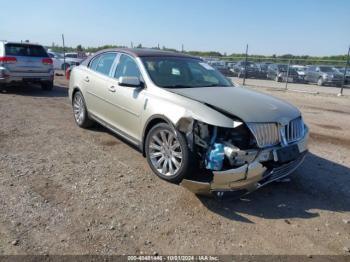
pixel 248 177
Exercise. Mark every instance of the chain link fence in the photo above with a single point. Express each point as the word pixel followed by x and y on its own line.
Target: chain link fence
pixel 293 74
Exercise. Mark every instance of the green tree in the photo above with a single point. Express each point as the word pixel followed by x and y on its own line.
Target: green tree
pixel 80 48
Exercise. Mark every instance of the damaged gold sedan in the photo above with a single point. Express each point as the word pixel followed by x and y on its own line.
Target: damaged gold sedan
pixel 192 124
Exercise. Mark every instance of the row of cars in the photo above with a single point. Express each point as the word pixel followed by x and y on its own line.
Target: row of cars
pixel 321 75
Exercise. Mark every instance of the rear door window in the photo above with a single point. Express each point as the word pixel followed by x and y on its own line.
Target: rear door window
pixel 105 63
pixel 25 50
pixel 94 62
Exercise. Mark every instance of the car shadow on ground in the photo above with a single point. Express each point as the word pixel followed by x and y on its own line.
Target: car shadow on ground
pixel 318 184
pixel 96 127
pixel 34 90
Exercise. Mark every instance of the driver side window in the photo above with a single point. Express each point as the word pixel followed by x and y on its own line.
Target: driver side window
pixel 127 67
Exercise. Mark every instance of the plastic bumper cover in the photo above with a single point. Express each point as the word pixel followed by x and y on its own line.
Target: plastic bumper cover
pixel 248 177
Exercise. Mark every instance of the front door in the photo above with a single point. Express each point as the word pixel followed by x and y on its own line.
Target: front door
pixel 129 100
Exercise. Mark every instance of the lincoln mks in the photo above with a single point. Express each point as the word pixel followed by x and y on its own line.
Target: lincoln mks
pixel 194 126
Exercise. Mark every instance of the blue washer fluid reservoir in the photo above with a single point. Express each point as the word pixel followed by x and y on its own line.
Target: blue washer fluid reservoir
pixel 215 157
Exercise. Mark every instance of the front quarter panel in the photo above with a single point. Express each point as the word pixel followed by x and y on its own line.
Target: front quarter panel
pixel 174 108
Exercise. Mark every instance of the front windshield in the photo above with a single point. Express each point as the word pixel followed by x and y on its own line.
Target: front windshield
pixel 249 64
pixel 180 72
pixel 282 67
pixel 300 69
pixel 326 69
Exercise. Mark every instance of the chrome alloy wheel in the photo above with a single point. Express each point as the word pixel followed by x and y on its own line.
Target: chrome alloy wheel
pixel 165 152
pixel 79 109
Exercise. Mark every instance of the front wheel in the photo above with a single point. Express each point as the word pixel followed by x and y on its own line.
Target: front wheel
pixel 320 82
pixel 167 153
pixel 80 112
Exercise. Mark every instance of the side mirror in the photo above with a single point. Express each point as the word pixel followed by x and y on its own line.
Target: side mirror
pixel 131 81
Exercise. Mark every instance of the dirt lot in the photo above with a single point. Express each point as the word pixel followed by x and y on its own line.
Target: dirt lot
pixel 65 190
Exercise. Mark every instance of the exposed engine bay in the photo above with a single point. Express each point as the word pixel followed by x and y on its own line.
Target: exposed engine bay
pixel 231 157
pixel 220 148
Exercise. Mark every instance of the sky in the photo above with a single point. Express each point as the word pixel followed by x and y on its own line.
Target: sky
pixel 299 27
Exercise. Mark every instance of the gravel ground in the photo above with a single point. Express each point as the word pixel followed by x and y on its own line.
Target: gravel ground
pixel 65 190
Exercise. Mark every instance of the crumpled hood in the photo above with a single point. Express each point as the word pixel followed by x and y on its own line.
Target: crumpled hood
pixel 248 105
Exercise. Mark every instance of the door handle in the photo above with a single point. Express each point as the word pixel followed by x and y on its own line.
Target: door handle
pixel 111 89
pixel 86 79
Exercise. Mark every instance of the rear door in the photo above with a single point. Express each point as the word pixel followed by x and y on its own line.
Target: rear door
pixel 97 83
pixel 29 58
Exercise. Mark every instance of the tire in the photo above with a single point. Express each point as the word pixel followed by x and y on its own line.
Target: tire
pixel 167 153
pixel 80 112
pixel 277 79
pixel 47 86
pixel 320 82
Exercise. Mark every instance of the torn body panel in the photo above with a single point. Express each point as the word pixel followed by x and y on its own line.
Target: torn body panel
pixel 245 166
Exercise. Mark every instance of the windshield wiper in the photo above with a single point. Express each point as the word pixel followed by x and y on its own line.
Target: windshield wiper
pixel 212 85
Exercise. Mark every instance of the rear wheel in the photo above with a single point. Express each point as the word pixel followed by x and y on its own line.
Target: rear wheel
pixel 167 153
pixel 80 112
pixel 47 86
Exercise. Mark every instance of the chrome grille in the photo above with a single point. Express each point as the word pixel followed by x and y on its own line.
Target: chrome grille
pixel 266 134
pixel 294 130
pixel 270 134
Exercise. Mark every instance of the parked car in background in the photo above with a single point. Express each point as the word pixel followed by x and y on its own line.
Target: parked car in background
pixel 221 67
pixel 57 59
pixel 323 75
pixel 278 72
pixel 230 65
pixel 262 67
pixel 61 62
pixel 185 115
pixel 252 70
pixel 25 62
pixel 301 71
pixel 341 70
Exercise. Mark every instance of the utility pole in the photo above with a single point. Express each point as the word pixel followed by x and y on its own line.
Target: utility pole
pixel 344 76
pixel 132 44
pixel 182 48
pixel 287 74
pixel 64 55
pixel 245 64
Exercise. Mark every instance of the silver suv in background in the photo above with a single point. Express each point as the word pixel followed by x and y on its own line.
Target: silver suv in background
pixel 25 62
pixel 323 75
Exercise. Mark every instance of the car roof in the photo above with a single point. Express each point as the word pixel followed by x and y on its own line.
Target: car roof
pixel 140 52
pixel 143 52
pixel 19 43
